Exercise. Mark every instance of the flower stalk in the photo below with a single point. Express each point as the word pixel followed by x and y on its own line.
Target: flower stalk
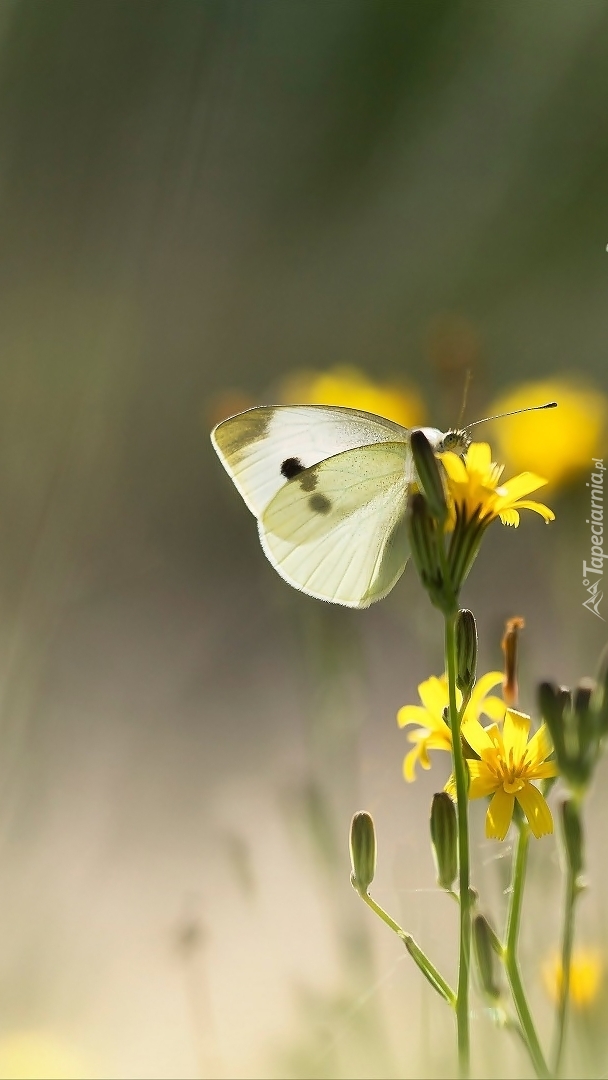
pixel 363 863
pixel 462 807
pixel 573 847
pixel 511 957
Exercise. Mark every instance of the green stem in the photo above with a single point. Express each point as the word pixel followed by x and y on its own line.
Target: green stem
pixel 572 891
pixel 382 914
pixel 462 807
pixel 510 954
pixel 426 966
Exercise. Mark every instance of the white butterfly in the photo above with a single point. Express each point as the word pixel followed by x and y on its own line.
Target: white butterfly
pixel 329 487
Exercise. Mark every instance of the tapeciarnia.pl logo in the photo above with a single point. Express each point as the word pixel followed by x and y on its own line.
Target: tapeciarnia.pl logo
pixel 593 572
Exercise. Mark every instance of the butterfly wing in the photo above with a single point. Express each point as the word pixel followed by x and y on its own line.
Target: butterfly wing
pixel 337 530
pixel 264 448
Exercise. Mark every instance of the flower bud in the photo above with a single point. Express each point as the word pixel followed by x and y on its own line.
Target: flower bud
pixel 584 723
pixel 466 650
pixel 425 538
pixel 600 696
pixel 427 470
pixel 576 724
pixel 444 838
pixel 362 851
pixel 486 959
pixel 572 831
pixel 554 704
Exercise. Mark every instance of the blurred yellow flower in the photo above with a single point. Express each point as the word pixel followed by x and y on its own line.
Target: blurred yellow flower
pixel 586 972
pixel 347 386
pixel 227 403
pixel 560 443
pixel 475 493
pixel 507 765
pixel 432 732
pixel 38 1055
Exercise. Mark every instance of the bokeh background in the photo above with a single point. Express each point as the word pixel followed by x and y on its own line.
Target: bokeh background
pixel 202 200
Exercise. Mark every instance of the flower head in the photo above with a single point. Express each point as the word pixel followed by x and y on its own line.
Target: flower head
pixel 431 731
pixel 346 385
pixel 507 764
pixel 562 446
pixel 476 493
pixel 586 970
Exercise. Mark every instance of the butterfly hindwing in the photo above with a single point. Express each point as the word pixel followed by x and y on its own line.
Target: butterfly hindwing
pixel 337 530
pixel 264 448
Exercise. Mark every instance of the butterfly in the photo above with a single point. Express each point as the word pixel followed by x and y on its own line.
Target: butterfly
pixel 329 487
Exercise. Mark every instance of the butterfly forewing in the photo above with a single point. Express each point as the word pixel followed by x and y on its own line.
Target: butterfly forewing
pixel 337 530
pixel 264 448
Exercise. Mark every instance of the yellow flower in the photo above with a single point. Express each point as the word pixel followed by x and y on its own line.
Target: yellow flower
pixel 348 386
pixel 28 1055
pixel 508 763
pixel 474 491
pixel 586 970
pixel 432 732
pixel 560 444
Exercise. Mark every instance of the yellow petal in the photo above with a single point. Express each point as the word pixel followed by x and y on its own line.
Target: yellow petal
pixel 483 782
pixel 539 508
pixel 543 771
pixel 476 736
pixel 481 689
pixel 519 486
pixel 412 714
pixel 454 467
pixel 509 517
pixel 498 817
pixel 534 806
pixel 409 764
pixel 494 707
pixel 434 696
pixel 423 755
pixel 479 457
pixel 440 739
pixel 540 746
pixel 450 787
pixel 515 733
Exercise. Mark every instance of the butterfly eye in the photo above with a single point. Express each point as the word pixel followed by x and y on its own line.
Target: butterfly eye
pixel 456 441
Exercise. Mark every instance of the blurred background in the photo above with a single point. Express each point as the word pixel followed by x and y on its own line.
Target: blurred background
pixel 206 205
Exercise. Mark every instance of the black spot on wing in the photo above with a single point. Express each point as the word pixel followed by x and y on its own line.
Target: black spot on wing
pixel 291 467
pixel 319 503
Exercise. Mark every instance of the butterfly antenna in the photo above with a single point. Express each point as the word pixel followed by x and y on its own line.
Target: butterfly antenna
pixel 465 393
pixel 516 412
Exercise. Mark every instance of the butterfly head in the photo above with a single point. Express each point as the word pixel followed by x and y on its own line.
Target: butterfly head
pixel 457 440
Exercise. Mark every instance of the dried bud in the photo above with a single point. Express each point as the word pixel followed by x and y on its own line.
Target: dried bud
pixel 362 851
pixel 510 689
pixel 444 838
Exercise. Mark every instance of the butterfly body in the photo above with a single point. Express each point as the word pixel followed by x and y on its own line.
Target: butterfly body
pixel 329 488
